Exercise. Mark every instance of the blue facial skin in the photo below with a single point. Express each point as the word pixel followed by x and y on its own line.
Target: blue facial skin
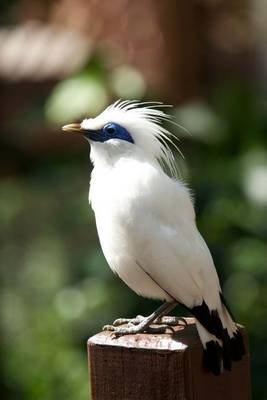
pixel 108 132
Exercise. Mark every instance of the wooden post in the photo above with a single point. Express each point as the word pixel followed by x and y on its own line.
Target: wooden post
pixel 161 367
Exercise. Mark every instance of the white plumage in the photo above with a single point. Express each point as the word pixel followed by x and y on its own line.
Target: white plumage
pixel 146 222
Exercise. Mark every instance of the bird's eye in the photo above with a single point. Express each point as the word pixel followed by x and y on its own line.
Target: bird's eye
pixel 110 129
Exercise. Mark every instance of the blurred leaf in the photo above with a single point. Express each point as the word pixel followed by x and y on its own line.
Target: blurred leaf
pixel 75 97
pixel 201 122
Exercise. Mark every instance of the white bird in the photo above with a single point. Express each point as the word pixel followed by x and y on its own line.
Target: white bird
pixel 146 225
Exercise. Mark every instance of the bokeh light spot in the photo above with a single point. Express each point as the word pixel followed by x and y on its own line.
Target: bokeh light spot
pixel 128 83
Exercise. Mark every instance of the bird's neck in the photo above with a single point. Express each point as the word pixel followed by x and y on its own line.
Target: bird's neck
pixel 119 177
pixel 106 156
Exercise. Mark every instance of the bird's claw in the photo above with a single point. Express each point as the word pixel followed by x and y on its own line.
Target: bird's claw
pixel 108 328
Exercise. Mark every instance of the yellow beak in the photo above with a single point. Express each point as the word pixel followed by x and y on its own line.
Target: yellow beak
pixel 73 128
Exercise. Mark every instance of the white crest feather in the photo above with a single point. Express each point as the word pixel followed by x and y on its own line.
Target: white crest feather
pixel 144 121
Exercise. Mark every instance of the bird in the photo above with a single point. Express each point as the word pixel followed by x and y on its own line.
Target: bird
pixel 147 229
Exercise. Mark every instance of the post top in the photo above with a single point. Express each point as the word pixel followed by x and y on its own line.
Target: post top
pixel 177 341
pixel 156 366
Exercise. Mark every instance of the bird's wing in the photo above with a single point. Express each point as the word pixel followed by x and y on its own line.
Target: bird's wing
pixel 175 254
pixel 181 265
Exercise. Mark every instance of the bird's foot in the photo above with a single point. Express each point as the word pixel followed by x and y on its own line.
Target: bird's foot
pixel 133 321
pixel 169 321
pixel 141 324
pixel 131 329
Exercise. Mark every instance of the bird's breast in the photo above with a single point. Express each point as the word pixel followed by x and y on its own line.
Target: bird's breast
pixel 120 200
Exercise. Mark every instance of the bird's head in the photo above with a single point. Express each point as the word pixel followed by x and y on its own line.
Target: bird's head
pixel 129 126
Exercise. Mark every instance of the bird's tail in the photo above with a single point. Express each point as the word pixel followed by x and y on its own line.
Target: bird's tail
pixel 221 337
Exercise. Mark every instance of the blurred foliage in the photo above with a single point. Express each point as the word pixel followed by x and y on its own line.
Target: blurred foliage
pixel 89 91
pixel 56 288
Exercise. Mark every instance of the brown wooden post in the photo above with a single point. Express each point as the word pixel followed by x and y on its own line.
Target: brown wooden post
pixel 161 367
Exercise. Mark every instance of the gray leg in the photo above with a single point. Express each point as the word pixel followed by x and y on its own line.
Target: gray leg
pixel 165 322
pixel 141 324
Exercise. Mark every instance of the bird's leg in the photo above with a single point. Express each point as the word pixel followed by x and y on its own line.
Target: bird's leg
pixel 165 322
pixel 162 319
pixel 141 324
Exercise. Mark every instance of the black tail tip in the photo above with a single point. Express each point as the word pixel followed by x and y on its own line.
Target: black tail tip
pixel 212 357
pixel 217 358
pixel 238 349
